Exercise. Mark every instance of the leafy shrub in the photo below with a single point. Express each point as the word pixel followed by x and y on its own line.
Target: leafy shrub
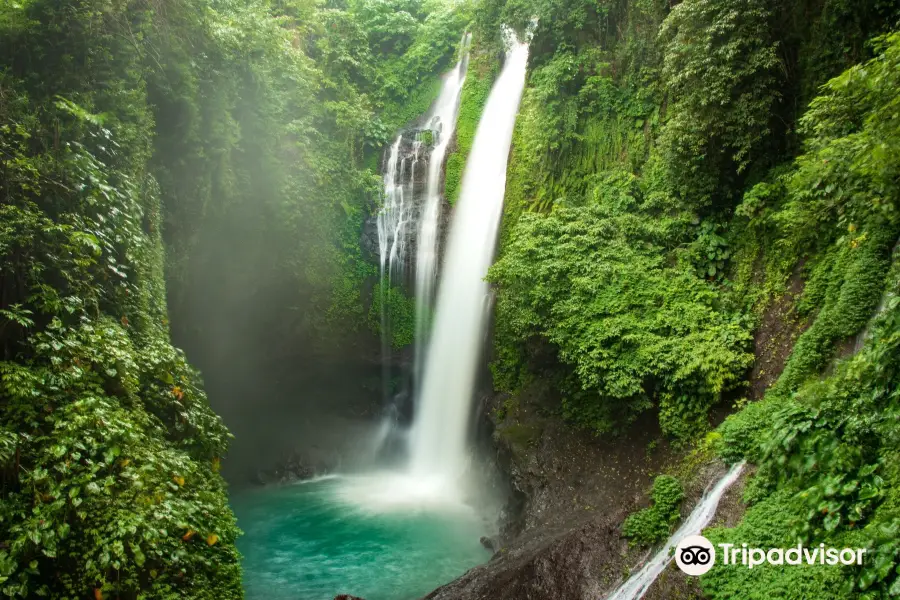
pixel 709 251
pixel 651 525
pixel 826 444
pixel 743 433
pixel 595 283
pixel 109 449
pixel 768 524
pixel 483 69
pixel 399 315
pixel 720 68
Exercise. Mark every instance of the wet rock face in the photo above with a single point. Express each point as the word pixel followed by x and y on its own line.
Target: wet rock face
pixel 411 172
pixel 563 536
pixel 573 490
pixel 579 563
pixel 297 466
pixel 488 543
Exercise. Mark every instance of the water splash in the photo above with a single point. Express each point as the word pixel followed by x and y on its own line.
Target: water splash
pixel 441 425
pixel 638 584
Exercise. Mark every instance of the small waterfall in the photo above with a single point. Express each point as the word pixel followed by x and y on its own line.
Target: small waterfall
pixel 389 223
pixel 442 123
pixel 638 584
pixel 441 425
pixel 391 216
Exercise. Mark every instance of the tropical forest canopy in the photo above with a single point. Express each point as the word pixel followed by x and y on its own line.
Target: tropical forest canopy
pixel 679 171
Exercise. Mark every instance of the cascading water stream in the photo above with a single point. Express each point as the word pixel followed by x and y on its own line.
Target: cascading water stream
pixel 407 220
pixel 390 217
pixel 442 122
pixel 638 584
pixel 389 226
pixel 441 425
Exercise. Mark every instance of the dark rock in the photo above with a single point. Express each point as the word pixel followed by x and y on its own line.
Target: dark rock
pixel 295 466
pixel 573 490
pixel 347 597
pixel 488 543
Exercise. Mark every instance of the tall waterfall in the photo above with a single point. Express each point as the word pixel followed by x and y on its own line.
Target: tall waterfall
pixel 441 121
pixel 408 228
pixel 407 221
pixel 440 428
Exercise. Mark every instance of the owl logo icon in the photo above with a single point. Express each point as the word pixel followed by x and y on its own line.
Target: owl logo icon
pixel 695 555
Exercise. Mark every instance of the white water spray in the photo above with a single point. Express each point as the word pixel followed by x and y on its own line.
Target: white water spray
pixel 441 426
pixel 638 584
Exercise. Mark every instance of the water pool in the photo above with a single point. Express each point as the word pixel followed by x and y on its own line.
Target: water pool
pixel 314 540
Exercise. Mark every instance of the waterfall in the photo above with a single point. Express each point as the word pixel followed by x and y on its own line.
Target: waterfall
pixel 441 424
pixel 442 122
pixel 638 584
pixel 389 223
pixel 391 218
pixel 408 222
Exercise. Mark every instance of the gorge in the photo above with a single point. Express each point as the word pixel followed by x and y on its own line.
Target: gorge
pixel 359 524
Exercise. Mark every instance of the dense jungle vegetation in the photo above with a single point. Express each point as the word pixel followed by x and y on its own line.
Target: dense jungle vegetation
pixel 680 173
pixel 683 175
pixel 226 150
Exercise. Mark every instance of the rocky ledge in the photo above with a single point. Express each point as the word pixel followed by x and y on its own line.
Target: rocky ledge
pixel 573 491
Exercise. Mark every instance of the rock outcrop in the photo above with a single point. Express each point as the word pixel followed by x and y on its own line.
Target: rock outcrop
pixel 563 539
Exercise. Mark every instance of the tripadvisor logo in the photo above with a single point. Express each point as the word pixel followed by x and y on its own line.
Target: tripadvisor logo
pixel 695 555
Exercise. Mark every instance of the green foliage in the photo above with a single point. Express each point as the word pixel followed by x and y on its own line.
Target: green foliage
pixel 709 251
pixel 839 37
pixel 827 474
pixel 653 524
pixel 399 313
pixel 269 122
pixel 596 283
pixel 685 101
pixel 414 106
pixel 826 445
pixel 846 287
pixel 483 69
pixel 242 132
pixel 720 68
pixel 831 449
pixel 768 525
pixel 118 459
pixel 108 446
pixel 577 121
pixel 743 432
